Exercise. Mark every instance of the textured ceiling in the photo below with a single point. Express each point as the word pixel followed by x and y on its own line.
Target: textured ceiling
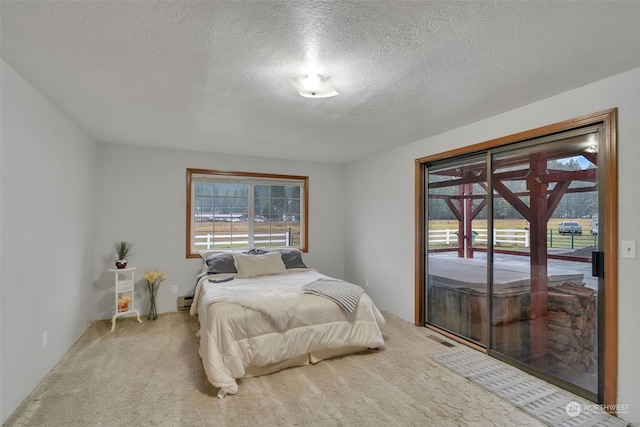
pixel 214 75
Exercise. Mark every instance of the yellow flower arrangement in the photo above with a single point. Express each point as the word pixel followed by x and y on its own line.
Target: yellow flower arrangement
pixel 153 279
pixel 152 275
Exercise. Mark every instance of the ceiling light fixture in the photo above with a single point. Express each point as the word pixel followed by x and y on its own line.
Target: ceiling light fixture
pixel 314 86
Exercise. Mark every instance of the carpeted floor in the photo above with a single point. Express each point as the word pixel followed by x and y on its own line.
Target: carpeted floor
pixel 150 374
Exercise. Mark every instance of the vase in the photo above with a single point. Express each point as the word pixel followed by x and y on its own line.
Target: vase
pixel 121 263
pixel 153 312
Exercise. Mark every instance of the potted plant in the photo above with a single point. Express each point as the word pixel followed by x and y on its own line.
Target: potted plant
pixel 123 250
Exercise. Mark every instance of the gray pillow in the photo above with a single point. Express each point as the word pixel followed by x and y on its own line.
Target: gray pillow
pixel 221 263
pixel 292 258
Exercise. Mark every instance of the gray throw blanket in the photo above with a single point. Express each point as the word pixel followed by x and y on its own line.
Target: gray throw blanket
pixel 345 294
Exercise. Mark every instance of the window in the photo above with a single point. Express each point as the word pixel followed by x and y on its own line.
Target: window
pixel 243 210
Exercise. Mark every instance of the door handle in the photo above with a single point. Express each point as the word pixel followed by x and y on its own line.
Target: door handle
pixel 597 264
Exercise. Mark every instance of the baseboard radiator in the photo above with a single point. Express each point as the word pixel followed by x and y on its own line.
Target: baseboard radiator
pixel 184 303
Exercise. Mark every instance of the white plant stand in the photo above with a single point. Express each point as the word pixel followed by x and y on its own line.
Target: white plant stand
pixel 124 285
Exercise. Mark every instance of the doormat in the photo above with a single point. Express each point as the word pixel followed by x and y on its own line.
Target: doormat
pixel 548 403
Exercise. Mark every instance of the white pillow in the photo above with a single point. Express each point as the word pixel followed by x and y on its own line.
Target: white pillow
pixel 259 265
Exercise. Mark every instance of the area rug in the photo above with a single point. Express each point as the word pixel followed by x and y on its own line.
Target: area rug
pixel 548 403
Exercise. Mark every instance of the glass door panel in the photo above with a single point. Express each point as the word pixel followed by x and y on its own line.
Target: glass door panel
pixel 545 300
pixel 457 239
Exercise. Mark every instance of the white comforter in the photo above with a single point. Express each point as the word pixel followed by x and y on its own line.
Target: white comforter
pixel 259 322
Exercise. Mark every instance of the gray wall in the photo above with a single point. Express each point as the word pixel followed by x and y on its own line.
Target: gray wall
pixel 142 199
pixel 381 198
pixel 47 223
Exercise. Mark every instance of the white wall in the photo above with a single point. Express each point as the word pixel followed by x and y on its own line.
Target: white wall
pixel 142 199
pixel 48 182
pixel 381 211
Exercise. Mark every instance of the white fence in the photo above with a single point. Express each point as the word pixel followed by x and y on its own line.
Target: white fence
pixel 269 239
pixel 450 237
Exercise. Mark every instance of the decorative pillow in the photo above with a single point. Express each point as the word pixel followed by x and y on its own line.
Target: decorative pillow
pixel 259 265
pixel 292 258
pixel 221 263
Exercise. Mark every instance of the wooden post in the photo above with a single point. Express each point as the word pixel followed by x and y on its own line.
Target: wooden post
pixel 468 217
pixel 461 221
pixel 539 282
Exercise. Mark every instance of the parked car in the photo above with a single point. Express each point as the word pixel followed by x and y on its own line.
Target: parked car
pixel 569 227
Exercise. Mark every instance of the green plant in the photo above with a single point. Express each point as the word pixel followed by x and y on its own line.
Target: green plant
pixel 123 249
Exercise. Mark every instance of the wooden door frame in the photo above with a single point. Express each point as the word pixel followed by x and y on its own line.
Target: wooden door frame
pixel 608 158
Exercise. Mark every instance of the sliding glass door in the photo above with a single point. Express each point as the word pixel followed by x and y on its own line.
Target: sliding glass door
pixel 545 313
pixel 457 242
pixel 512 255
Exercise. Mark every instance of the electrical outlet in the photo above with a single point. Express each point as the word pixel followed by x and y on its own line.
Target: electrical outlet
pixel 174 289
pixel 44 339
pixel 366 282
pixel 628 249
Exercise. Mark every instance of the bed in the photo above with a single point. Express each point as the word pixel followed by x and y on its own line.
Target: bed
pixel 262 311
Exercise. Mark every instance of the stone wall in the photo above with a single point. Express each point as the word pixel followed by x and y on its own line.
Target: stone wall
pixel 572 329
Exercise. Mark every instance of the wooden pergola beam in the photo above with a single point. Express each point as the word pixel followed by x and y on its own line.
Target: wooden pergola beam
pixel 512 199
